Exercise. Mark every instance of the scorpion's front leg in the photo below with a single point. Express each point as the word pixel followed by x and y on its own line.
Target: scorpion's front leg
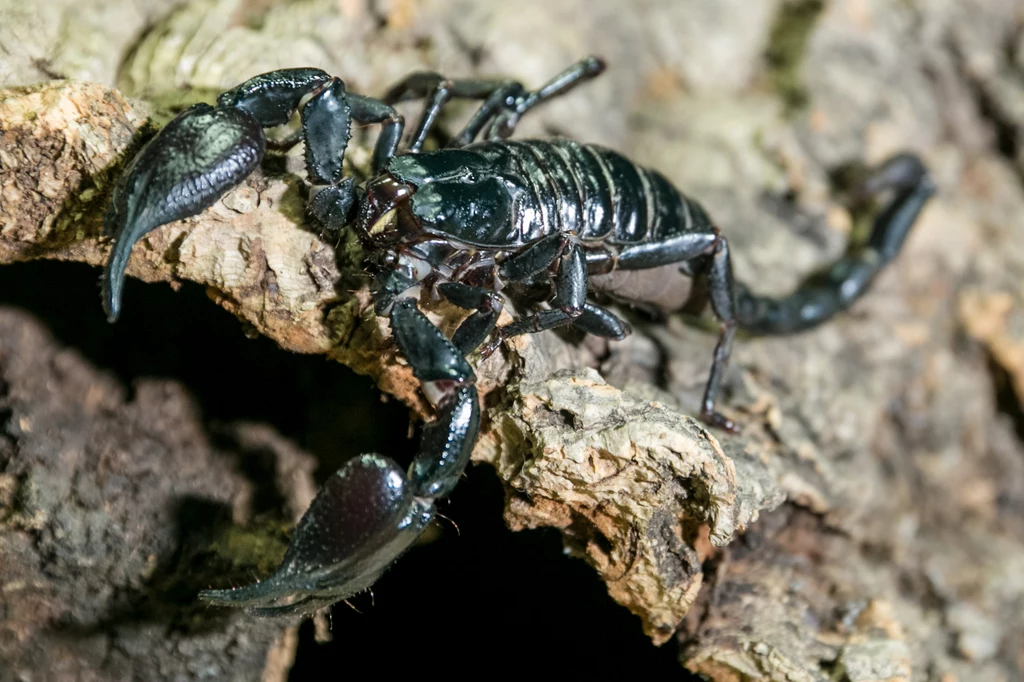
pixel 437 91
pixel 369 512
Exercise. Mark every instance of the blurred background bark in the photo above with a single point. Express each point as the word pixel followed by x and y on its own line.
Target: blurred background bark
pixel 866 525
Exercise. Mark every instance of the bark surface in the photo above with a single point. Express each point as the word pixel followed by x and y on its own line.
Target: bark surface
pixel 865 525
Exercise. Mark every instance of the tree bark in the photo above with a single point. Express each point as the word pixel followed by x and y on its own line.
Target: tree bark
pixel 865 525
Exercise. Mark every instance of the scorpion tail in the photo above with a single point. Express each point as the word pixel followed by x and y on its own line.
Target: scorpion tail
pixel 824 295
pixel 196 158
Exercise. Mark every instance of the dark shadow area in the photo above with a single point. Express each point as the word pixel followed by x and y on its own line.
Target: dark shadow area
pixel 470 600
pixel 491 601
pixel 1007 400
pixel 323 406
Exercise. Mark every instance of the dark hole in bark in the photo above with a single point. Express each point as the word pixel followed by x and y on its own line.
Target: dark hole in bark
pixel 481 594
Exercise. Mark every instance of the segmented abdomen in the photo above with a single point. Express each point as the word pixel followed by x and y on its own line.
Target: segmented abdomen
pixel 595 192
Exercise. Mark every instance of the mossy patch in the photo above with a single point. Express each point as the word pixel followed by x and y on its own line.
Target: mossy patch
pixel 260 548
pixel 787 45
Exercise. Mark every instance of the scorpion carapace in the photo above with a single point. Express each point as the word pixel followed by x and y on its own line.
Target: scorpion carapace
pixel 470 222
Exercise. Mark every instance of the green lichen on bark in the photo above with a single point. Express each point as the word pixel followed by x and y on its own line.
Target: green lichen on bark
pixel 787 45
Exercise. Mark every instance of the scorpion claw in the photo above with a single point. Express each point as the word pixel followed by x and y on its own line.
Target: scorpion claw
pixel 364 517
pixel 370 512
pixel 190 164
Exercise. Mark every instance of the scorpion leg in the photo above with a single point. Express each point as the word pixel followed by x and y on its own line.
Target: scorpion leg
pixel 721 290
pixel 502 96
pixel 369 512
pixel 678 249
pixel 507 118
pixel 567 307
pixel 474 329
pixel 437 97
pixel 504 101
pixel 595 319
pixel 438 91
pixel 535 258
pixel 601 322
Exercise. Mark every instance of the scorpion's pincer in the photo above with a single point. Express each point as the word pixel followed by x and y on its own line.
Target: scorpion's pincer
pixel 363 518
pixel 370 511
pixel 192 162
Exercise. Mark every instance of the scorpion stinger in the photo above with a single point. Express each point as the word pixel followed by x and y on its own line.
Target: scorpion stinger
pixel 543 222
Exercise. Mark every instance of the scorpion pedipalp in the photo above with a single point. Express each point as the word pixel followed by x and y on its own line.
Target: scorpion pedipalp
pixel 370 512
pixel 362 519
pixel 185 169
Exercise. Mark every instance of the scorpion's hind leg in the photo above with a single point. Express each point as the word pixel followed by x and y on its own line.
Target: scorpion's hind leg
pixel 185 169
pixel 721 291
pixel 370 512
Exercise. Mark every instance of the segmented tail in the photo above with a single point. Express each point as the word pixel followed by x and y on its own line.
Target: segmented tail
pixel 832 291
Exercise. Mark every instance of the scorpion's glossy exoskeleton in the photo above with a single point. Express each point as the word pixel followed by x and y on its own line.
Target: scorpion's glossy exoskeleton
pixel 468 221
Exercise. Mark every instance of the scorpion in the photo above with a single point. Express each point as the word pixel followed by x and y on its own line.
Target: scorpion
pixel 475 221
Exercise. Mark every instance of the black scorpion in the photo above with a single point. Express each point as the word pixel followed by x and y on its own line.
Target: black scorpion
pixel 467 222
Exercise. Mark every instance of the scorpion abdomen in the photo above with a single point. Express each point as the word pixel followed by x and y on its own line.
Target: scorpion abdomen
pixel 567 187
pixel 544 187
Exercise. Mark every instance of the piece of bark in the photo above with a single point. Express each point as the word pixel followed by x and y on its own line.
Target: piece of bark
pixel 880 429
pixel 639 490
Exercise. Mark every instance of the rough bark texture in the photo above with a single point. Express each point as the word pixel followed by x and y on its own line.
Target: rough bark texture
pixel 110 510
pixel 867 524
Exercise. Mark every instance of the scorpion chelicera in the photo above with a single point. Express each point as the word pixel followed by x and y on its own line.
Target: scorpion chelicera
pixel 467 222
